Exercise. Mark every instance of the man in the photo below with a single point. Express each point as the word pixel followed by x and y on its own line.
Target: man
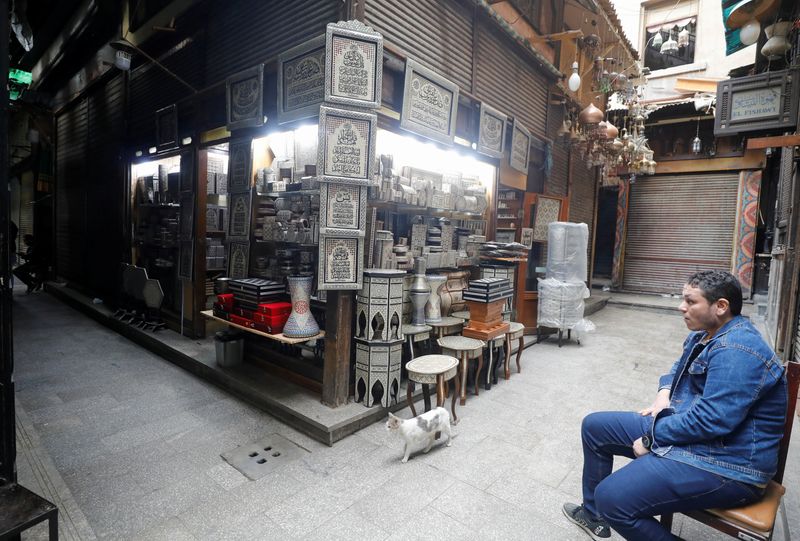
pixel 711 437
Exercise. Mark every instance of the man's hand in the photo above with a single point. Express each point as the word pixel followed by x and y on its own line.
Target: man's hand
pixel 639 449
pixel 661 402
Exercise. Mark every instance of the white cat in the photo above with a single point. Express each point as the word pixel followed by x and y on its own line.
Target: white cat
pixel 420 432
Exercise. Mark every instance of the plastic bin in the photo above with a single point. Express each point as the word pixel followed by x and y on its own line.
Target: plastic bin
pixel 230 348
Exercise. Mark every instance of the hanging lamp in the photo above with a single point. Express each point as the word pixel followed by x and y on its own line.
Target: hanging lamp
pixel 683 37
pixel 670 46
pixel 657 39
pixel 697 144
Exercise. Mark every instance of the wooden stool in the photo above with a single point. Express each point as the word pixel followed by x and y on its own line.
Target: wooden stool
pixel 432 370
pixel 447 326
pixel 463 314
pixel 410 331
pixel 465 349
pixel 515 332
pixel 488 335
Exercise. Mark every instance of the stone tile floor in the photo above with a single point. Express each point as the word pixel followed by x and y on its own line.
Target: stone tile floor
pixel 129 445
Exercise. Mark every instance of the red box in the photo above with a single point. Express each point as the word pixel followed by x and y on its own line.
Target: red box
pixel 274 321
pixel 269 328
pixel 244 322
pixel 275 308
pixel 241 312
pixel 226 300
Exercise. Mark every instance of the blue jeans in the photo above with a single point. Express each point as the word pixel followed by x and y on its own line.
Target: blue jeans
pixel 631 497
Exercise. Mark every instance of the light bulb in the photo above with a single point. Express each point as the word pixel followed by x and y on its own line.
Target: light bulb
pixel 122 60
pixel 697 145
pixel 749 32
pixel 574 81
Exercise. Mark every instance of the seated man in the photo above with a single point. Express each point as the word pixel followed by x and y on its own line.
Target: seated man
pixel 711 437
pixel 30 272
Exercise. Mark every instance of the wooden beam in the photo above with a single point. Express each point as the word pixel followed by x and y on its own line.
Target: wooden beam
pixel 752 159
pixel 776 141
pixel 336 368
pixel 559 36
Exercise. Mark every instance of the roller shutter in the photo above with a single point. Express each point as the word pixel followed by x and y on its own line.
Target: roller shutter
pixel 434 32
pixel 678 224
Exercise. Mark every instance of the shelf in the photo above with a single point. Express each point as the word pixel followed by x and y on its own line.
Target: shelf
pixel 506 228
pixel 215 233
pixel 159 206
pixel 414 209
pixel 314 191
pixel 287 243
pixel 506 259
pixel 277 337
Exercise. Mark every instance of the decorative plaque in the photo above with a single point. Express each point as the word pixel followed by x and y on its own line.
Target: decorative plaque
pixel 167 127
pixel 239 166
pixel 238 259
pixel 186 217
pixel 343 209
pixel 245 98
pixel 239 225
pixel 430 103
pixel 492 131
pixel 354 64
pixel 346 146
pixel 301 80
pixel 519 156
pixel 340 263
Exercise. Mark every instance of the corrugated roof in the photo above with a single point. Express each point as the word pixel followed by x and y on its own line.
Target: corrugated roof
pixel 608 7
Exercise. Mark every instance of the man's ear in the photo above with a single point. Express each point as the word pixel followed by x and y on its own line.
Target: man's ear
pixel 723 306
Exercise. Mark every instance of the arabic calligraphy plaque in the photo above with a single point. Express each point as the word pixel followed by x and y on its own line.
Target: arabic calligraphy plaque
pixel 341 263
pixel 343 209
pixel 519 156
pixel 239 225
pixel 238 259
pixel 245 98
pixel 354 64
pixel 301 80
pixel 491 130
pixel 346 150
pixel 430 103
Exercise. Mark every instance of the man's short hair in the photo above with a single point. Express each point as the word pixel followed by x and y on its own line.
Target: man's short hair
pixel 716 285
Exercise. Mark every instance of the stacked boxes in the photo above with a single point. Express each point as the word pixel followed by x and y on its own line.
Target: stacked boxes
pixel 254 303
pixel 486 298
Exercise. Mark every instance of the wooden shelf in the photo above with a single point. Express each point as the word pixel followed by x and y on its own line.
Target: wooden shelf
pixel 277 337
pixel 506 259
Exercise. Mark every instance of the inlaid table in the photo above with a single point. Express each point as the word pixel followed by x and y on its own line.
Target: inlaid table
pixel 432 370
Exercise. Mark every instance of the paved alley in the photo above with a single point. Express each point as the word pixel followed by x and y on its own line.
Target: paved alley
pixel 129 445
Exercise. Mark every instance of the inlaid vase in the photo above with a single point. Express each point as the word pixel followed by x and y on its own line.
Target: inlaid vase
pixel 301 322
pixel 433 309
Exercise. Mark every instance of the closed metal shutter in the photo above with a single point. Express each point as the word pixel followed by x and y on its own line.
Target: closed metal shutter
pixel 437 33
pixel 244 33
pixel 89 188
pixel 71 169
pixel 678 225
pixel 582 196
pixel 556 182
pixel 785 188
pixel 507 80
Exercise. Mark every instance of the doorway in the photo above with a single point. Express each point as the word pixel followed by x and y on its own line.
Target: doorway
pixel 604 235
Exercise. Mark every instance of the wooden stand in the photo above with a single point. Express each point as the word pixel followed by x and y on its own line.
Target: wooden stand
pixel 278 337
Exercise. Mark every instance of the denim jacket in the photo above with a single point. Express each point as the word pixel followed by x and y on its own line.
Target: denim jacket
pixel 727 405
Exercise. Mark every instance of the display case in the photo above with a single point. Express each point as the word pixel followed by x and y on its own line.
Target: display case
pixel 509 214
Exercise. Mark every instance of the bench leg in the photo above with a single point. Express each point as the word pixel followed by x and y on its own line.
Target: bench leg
pixel 666 521
pixel 52 524
pixel 426 396
pixel 519 352
pixel 456 386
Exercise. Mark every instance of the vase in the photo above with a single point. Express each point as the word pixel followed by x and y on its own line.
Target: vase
pixel 301 323
pixel 433 308
pixel 418 292
pixel 451 293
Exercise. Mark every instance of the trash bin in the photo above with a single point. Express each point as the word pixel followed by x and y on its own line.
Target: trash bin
pixel 230 347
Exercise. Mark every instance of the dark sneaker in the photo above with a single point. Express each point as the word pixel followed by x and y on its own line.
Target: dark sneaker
pixel 597 529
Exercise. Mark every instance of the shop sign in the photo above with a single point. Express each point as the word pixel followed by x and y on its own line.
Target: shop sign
pixel 346 150
pixel 239 215
pixel 245 98
pixel 167 128
pixel 343 209
pixel 491 131
pixel 301 80
pixel 238 259
pixel 519 157
pixel 430 103
pixel 767 101
pixel 341 263
pixel 186 260
pixel 353 65
pixel 239 166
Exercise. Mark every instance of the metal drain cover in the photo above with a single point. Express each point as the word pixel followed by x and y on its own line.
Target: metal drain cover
pixel 257 459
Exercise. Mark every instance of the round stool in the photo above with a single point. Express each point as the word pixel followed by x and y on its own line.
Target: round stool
pixel 462 314
pixel 432 370
pixel 465 349
pixel 410 331
pixel 516 332
pixel 448 325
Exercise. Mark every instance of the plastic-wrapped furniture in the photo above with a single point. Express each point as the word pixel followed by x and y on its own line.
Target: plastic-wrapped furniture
pixel 566 251
pixel 561 305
